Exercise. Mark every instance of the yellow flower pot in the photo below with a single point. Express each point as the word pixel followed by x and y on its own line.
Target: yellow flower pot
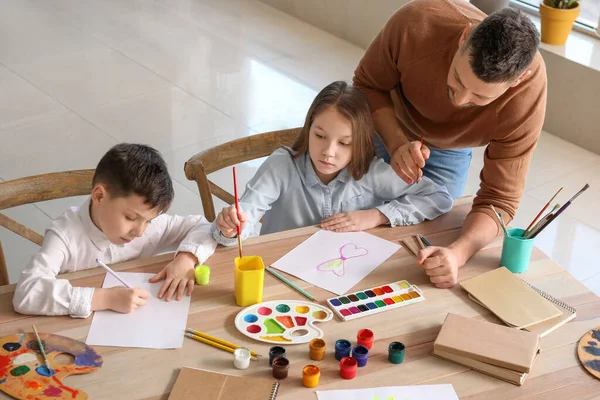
pixel 557 23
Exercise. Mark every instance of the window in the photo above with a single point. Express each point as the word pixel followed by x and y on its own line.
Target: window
pixel 589 15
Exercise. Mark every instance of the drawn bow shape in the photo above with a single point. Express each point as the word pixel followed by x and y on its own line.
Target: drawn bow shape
pixel 336 265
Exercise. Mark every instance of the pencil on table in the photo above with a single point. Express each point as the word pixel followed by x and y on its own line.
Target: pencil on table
pixel 214 344
pixel 292 285
pixel 237 210
pixel 421 244
pixel 427 243
pixel 540 213
pixel 409 247
pixel 218 341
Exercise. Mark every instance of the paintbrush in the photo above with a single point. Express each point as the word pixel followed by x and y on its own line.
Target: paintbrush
pixel 237 210
pixel 563 208
pixel 419 179
pixel 542 222
pixel 41 346
pixel 501 221
pixel 540 213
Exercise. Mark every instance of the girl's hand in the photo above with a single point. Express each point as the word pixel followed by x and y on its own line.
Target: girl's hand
pixel 354 221
pixel 228 220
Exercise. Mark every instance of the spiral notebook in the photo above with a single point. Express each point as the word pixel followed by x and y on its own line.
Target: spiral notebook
pixel 546 327
pixel 197 384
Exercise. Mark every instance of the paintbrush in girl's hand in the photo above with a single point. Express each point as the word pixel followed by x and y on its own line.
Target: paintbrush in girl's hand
pixel 563 208
pixel 237 210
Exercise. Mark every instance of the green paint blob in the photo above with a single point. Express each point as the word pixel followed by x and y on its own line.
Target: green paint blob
pixel 273 326
pixel 20 370
pixel 282 308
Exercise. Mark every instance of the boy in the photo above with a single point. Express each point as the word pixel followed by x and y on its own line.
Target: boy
pixel 123 219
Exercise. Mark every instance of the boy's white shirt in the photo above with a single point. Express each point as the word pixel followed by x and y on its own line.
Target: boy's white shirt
pixel 73 243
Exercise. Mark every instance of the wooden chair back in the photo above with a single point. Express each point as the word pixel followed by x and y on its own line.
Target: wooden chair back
pixel 208 161
pixel 34 189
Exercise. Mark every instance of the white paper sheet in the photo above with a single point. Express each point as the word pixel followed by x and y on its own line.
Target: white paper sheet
pixel 157 325
pixel 336 261
pixel 420 392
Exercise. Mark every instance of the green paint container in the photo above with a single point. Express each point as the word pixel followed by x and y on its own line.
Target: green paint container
pixel 396 352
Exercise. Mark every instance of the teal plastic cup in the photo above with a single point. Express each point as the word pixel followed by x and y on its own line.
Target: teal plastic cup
pixel 516 251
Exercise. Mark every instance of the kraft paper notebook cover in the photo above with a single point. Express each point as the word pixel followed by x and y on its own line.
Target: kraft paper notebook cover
pixel 196 384
pixel 511 299
pixel 507 375
pixel 489 343
pixel 546 327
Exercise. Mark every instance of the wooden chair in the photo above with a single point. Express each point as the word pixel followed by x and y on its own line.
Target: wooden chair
pixel 249 148
pixel 37 188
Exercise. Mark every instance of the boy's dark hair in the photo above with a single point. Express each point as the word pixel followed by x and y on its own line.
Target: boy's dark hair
pixel 128 169
pixel 352 104
pixel 502 46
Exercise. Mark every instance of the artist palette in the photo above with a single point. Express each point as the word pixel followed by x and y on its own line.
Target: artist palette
pixel 282 321
pixel 375 300
pixel 24 375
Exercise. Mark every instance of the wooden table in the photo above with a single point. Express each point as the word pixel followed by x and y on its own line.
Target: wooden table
pixel 150 374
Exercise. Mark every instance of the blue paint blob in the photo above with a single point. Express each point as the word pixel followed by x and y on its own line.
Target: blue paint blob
pixel 44 371
pixel 88 359
pixel 250 318
pixel 596 334
pixel 591 343
pixel 3 380
pixel 11 346
pixel 594 364
pixel 595 351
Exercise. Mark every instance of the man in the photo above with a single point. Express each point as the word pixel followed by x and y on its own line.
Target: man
pixel 441 70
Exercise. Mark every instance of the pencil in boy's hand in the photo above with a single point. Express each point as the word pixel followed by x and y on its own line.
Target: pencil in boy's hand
pixel 237 210
pixel 41 346
pixel 113 273
pixel 540 213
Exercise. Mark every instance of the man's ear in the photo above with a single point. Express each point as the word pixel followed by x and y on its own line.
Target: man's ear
pixel 464 35
pixel 524 76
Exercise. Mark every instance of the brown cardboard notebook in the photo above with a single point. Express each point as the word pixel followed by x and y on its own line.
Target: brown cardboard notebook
pixel 543 328
pixel 488 343
pixel 196 384
pixel 508 375
pixel 511 299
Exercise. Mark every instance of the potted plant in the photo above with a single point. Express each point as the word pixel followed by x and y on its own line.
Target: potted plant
pixel 558 17
pixel 489 6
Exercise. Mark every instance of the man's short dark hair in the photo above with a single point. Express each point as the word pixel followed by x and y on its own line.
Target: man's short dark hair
pixel 502 46
pixel 128 169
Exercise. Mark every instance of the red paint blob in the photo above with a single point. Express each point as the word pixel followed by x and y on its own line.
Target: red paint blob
pixel 265 311
pixel 387 289
pixel 52 391
pixel 300 321
pixel 253 329
pixel 5 364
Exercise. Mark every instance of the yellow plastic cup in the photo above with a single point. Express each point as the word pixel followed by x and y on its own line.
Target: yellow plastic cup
pixel 249 280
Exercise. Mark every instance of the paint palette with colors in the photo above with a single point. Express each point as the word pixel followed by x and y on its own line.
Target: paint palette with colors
pixel 282 321
pixel 375 300
pixel 23 374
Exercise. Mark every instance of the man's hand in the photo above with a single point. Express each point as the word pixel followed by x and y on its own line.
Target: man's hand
pixel 178 275
pixel 407 161
pixel 354 221
pixel 441 264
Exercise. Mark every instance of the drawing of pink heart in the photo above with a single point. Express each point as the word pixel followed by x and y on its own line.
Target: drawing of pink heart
pixel 350 250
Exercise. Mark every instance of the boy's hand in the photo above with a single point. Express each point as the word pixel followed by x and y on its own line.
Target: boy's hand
pixel 119 299
pixel 354 221
pixel 228 220
pixel 178 275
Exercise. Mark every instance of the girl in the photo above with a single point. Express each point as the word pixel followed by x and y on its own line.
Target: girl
pixel 331 177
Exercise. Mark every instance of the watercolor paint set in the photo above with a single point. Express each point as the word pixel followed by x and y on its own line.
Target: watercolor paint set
pixel 282 321
pixel 375 300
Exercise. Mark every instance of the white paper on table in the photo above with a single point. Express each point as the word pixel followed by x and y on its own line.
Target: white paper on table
pixel 419 392
pixel 157 325
pixel 336 261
